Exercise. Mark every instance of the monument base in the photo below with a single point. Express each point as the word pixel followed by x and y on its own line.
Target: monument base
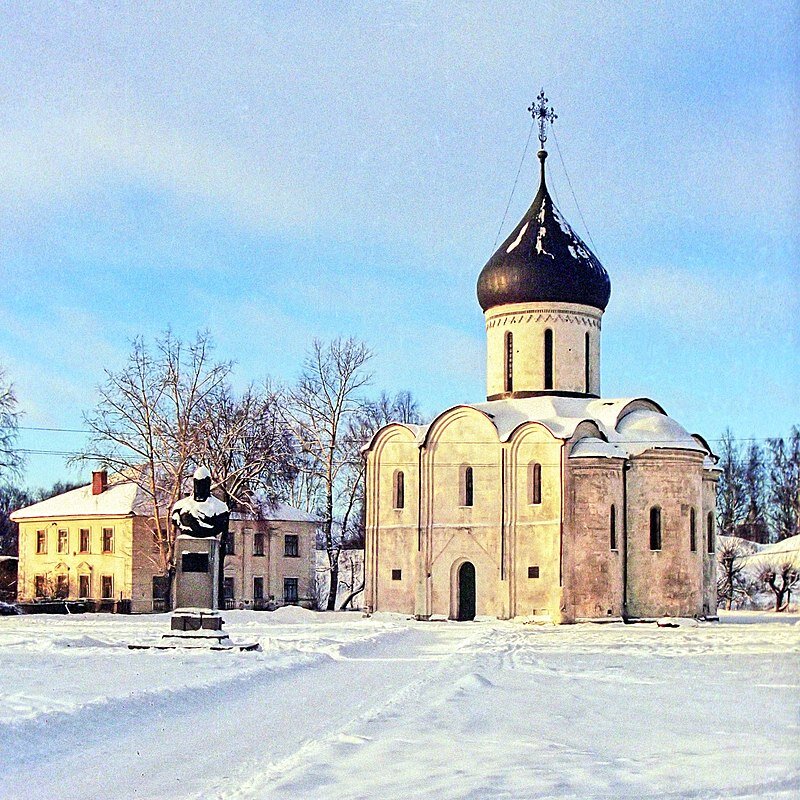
pixel 196 629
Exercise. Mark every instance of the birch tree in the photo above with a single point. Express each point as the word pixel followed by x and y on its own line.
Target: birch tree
pixel 320 408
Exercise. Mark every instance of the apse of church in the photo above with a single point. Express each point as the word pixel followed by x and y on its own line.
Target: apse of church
pixel 546 500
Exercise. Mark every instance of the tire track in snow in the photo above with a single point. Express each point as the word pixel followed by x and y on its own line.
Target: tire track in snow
pixel 264 779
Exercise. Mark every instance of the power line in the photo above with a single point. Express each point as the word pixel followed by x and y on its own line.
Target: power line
pixel 55 430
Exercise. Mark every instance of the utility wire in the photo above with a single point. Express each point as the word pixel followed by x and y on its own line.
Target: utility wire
pixel 513 188
pixel 569 182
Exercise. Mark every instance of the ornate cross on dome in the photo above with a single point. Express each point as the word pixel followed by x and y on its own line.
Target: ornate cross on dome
pixel 542 114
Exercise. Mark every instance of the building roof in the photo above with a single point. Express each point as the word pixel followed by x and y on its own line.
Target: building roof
pixel 122 499
pixel 282 512
pixel 543 260
pixel 118 500
pixel 626 426
pixel 787 551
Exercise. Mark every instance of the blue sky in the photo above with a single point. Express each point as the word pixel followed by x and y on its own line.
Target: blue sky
pixel 281 171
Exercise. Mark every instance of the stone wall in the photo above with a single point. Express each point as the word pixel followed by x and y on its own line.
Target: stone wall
pixel 668 581
pixel 593 569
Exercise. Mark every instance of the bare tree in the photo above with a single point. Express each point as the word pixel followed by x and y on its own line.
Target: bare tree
pixel 320 407
pixel 783 508
pixel 755 526
pixel 730 578
pixel 781 578
pixel 146 425
pixel 10 458
pixel 249 449
pixel 731 493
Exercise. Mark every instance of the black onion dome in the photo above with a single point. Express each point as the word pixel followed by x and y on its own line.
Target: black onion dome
pixel 543 260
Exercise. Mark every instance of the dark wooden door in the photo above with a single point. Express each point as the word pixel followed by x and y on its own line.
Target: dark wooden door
pixel 466 591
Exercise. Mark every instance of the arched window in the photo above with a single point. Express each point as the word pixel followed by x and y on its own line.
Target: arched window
pixel 467 486
pixel 655 528
pixel 399 498
pixel 693 530
pixel 509 366
pixel 586 360
pixel 710 531
pixel 613 527
pixel 548 359
pixel 534 483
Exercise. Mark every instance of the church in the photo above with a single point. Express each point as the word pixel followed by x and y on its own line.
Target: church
pixel 547 500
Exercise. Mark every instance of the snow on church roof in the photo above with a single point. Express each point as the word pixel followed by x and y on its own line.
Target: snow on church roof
pixel 592 447
pixel 627 426
pixel 632 424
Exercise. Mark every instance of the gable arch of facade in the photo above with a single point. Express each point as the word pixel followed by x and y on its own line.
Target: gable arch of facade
pixel 529 433
pixel 447 419
pixel 381 437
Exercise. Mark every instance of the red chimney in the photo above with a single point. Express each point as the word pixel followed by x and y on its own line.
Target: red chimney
pixel 99 481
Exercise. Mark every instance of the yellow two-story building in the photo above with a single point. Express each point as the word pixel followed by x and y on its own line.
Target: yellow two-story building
pixel 94 544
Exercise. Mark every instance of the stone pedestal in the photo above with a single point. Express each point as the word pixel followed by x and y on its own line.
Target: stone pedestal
pixel 197 627
pixel 196 573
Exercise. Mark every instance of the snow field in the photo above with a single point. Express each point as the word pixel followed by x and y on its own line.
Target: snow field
pixel 345 707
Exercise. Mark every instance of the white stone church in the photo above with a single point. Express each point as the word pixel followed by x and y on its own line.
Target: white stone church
pixel 546 500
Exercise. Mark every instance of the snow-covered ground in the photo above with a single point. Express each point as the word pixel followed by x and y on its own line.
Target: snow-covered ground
pixel 342 707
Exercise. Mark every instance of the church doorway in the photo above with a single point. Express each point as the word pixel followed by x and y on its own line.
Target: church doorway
pixel 466 591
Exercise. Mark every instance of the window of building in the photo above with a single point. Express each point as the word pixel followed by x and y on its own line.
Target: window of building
pixel 399 490
pixel 586 360
pixel 692 530
pixel 290 593
pixel 41 541
pixel 397 574
pixel 710 531
pixel 108 540
pixel 467 486
pixel 85 540
pixel 613 527
pixel 230 544
pixel 534 483
pixel 291 545
pixel 107 587
pixel 548 359
pixel 533 572
pixel 227 587
pixel 39 586
pixel 63 541
pixel 258 588
pixel 84 586
pixel 258 544
pixel 160 591
pixel 655 528
pixel 62 586
pixel 509 362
